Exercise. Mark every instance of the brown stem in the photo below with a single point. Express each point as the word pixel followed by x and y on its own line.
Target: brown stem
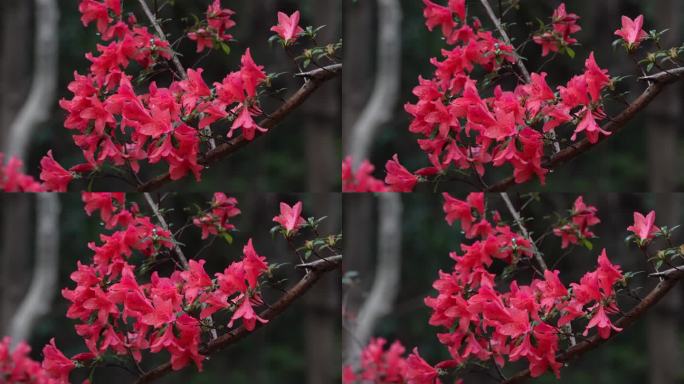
pixel 660 80
pixel 160 32
pixel 518 220
pixel 174 57
pixel 165 226
pixel 269 314
pixel 518 61
pixel 316 78
pixel 671 278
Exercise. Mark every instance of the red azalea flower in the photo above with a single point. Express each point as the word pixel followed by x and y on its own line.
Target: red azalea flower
pixel 55 177
pixel 362 180
pixel 399 178
pixel 290 217
pixel 631 31
pixel 56 364
pixel 288 27
pixel 247 314
pixel 418 371
pixel 643 227
pixel 253 264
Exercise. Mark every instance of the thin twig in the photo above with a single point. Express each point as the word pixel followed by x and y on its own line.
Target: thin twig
pixel 174 56
pixel 518 61
pixel 165 226
pixel 518 220
pixel 537 255
pixel 320 263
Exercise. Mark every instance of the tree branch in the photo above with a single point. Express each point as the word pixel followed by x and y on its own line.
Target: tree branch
pixel 160 32
pixel 518 220
pixel 322 263
pixel 660 80
pixel 269 314
pixel 316 79
pixel 670 280
pixel 162 222
pixel 174 56
pixel 504 35
pixel 518 61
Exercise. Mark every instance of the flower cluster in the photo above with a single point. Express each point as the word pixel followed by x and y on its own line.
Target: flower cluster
pixel 218 21
pixel 16 366
pixel 484 319
pixel 459 128
pixel 54 177
pixel 215 221
pixel 120 314
pixel 563 24
pixel 390 366
pixel 115 122
pixel 582 217
pixel 362 180
pixel 13 180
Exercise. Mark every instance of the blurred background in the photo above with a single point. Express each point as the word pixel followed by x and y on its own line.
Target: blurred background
pixel 396 244
pixel 303 153
pixel 300 346
pixel 380 73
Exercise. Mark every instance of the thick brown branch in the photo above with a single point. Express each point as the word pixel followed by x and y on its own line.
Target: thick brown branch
pixel 315 78
pixel 269 314
pixel 670 279
pixel 660 80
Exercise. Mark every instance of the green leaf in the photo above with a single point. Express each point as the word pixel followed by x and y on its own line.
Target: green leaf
pixel 570 52
pixel 587 244
pixel 227 237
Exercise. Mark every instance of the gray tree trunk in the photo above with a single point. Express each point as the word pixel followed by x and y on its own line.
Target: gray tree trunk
pixel 664 122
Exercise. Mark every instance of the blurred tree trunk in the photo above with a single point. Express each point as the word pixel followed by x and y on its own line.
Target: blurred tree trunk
pixel 15 256
pixel 358 61
pixel 664 121
pixel 323 111
pixel 356 86
pixel 322 317
pixel 321 322
pixel 14 83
